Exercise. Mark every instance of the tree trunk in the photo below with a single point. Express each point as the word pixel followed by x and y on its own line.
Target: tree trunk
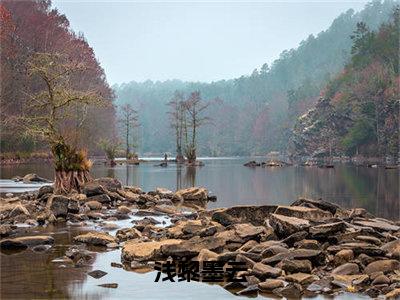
pixel 70 181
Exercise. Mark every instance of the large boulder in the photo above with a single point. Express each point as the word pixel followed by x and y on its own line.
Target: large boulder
pixel 144 251
pixel 58 205
pixel 92 188
pixel 285 226
pixel 253 214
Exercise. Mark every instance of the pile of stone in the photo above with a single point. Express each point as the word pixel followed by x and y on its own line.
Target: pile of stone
pixel 310 247
pixel 103 199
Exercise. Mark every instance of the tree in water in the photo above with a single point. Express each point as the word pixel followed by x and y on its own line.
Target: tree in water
pixel 128 121
pixel 51 114
pixel 177 115
pixel 110 148
pixel 195 109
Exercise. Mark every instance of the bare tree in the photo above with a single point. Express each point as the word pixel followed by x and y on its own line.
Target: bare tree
pixel 51 107
pixel 195 108
pixel 128 121
pixel 178 122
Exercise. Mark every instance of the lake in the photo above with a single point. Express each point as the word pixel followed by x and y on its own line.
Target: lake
pixel 29 274
pixel 375 189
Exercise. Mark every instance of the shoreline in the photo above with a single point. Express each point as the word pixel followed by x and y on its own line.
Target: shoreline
pixel 309 247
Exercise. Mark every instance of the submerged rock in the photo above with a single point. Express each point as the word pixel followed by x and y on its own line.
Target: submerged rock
pixel 26 241
pixel 97 274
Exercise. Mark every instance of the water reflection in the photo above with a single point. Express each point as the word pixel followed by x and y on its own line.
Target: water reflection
pixel 377 189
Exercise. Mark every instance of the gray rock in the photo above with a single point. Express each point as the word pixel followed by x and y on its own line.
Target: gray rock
pixel 58 205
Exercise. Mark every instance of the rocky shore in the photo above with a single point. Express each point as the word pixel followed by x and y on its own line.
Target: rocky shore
pixel 310 247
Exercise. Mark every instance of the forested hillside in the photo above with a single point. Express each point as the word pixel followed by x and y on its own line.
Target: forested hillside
pixel 30 29
pixel 358 113
pixel 254 114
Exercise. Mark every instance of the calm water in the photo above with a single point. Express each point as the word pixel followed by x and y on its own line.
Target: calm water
pixel 375 189
pixel 32 275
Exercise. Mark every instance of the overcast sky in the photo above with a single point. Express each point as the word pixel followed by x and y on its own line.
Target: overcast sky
pixel 197 41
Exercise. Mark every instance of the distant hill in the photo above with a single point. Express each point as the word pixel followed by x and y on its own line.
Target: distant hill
pixel 358 113
pixel 254 114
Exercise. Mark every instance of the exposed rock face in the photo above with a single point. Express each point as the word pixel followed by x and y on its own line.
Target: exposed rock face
pixel 255 215
pixel 95 238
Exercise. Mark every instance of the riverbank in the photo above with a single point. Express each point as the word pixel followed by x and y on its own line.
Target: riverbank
pixel 307 248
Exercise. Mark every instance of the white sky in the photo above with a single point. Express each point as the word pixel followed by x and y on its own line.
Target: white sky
pixel 198 40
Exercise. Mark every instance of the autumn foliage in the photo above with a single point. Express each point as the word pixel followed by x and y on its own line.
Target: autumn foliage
pixel 32 27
